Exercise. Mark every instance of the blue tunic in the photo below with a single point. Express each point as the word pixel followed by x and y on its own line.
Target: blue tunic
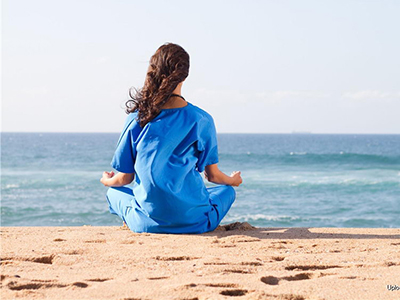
pixel 167 156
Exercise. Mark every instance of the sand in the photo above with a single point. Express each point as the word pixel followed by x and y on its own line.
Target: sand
pixel 239 263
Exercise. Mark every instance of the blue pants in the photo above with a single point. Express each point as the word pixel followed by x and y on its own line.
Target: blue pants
pixel 121 201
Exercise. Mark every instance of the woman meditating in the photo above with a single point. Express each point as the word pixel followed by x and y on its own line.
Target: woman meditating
pixel 165 145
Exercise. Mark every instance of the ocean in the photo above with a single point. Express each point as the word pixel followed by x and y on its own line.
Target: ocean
pixel 289 180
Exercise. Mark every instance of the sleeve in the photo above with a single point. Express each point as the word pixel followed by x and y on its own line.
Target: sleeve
pixel 125 153
pixel 207 144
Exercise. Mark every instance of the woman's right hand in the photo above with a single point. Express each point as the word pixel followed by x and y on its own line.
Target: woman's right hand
pixel 213 174
pixel 237 179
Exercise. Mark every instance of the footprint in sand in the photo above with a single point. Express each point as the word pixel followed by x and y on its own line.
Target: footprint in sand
pixel 59 240
pixel 300 276
pixel 278 258
pixel 251 263
pixel 271 280
pixel 96 241
pixel 390 264
pixel 233 293
pixel 214 285
pixel 6 260
pixel 216 263
pixel 311 267
pixel 99 279
pixel 224 285
pixel 74 252
pixel 175 258
pixel 240 271
pixel 244 263
pixel 39 285
pixel 348 277
pixel 33 286
pixel 47 259
pixel 247 240
pixel 287 297
pixel 80 284
pixel 42 260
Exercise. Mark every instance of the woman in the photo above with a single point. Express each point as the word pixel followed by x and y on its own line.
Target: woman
pixel 165 145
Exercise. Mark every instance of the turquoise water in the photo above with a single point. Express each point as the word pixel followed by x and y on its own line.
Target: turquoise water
pixel 289 180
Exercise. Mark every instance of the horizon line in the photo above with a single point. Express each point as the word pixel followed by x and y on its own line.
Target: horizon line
pixel 291 133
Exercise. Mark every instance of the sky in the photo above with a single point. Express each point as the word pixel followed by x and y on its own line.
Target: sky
pixel 256 66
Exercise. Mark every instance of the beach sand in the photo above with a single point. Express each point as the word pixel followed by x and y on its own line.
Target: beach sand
pixel 239 263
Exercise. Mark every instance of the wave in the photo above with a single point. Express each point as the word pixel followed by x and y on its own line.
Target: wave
pixel 256 217
pixel 10 186
pixel 261 220
pixel 321 186
pixel 315 158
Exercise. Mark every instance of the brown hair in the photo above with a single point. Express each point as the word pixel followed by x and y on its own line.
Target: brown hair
pixel 168 67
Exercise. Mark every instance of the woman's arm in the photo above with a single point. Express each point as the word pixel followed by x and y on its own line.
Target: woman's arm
pixel 213 174
pixel 115 180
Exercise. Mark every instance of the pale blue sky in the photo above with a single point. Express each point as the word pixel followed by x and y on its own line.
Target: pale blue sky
pixel 256 66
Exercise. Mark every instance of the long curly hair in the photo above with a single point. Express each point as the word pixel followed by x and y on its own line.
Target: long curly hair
pixel 168 67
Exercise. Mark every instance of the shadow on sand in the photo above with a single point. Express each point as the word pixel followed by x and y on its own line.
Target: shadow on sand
pixel 304 232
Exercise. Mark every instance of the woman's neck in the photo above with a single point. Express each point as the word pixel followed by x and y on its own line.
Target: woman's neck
pixel 175 102
pixel 178 90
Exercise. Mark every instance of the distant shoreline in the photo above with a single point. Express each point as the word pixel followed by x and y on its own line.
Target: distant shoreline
pixel 238 133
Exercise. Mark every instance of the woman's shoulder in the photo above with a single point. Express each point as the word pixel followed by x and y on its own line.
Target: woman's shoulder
pixel 200 113
pixel 131 122
pixel 131 119
pixel 132 116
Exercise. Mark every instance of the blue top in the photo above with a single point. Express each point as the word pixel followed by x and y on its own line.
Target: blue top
pixel 167 156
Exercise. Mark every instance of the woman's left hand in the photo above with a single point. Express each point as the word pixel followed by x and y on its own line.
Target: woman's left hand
pixel 106 176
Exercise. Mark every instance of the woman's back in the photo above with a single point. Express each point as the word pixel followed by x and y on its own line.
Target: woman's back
pixel 165 145
pixel 167 156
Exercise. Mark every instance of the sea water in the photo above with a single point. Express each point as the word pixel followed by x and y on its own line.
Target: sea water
pixel 289 180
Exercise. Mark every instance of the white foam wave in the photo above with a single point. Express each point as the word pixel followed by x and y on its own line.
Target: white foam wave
pixel 10 186
pixel 298 153
pixel 254 217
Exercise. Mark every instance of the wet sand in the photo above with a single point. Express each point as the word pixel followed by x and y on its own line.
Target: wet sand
pixel 233 262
